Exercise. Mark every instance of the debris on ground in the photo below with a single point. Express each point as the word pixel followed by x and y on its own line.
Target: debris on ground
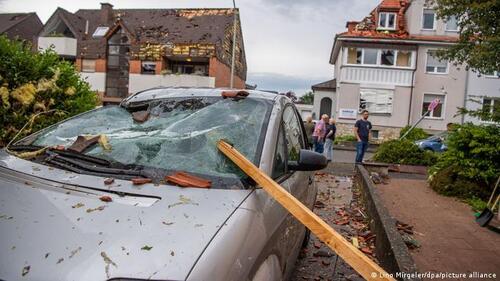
pixel 339 204
pixel 146 248
pixel 406 232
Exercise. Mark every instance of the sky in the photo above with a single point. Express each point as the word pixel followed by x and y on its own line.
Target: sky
pixel 287 42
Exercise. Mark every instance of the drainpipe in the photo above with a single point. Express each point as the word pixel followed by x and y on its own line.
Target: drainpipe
pixel 410 111
pixel 234 45
pixel 462 121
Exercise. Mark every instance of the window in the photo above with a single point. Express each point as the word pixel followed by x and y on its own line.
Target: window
pixel 148 67
pixel 279 165
pixel 376 100
pixel 434 65
pixel 196 68
pixel 491 105
pixel 293 133
pixel 494 74
pixel 428 19
pixel 438 111
pixel 370 56
pixel 354 55
pixel 387 21
pixel 375 134
pixel 387 57
pixel 452 24
pixel 404 59
pixel 88 65
pixel 100 31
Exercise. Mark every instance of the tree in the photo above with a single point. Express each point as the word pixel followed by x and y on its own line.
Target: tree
pixel 307 98
pixel 32 83
pixel 291 95
pixel 478 45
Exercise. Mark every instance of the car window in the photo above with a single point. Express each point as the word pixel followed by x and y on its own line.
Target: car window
pixel 180 133
pixel 293 132
pixel 279 166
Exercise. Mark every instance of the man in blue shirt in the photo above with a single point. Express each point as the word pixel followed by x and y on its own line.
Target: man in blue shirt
pixel 362 132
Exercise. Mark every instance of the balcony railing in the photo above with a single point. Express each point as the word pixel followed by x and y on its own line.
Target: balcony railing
pixel 139 82
pixel 63 46
pixel 376 75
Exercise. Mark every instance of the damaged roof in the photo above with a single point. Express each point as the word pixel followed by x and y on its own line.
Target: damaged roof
pixel 208 26
pixel 367 28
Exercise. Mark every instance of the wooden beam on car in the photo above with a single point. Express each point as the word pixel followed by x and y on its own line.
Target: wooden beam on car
pixel 350 254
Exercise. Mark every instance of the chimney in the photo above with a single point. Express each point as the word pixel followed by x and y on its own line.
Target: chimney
pixel 106 13
pixel 351 26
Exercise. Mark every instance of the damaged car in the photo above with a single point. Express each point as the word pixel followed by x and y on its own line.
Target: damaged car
pixel 139 191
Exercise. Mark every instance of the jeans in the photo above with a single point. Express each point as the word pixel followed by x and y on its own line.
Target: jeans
pixel 329 149
pixel 318 145
pixel 361 147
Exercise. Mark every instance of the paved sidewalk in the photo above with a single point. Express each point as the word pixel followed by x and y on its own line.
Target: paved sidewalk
pixel 450 239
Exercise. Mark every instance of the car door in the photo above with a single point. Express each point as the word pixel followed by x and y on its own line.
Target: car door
pixel 291 139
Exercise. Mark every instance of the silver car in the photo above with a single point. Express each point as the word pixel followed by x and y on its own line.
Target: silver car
pixel 77 214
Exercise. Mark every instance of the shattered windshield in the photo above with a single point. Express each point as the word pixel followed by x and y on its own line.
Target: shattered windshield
pixel 178 134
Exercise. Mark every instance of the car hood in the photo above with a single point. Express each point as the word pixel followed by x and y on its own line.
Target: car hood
pixel 53 227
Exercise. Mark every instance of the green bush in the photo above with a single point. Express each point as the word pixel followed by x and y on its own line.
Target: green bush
pixel 403 152
pixel 37 82
pixel 415 134
pixel 342 138
pixel 473 158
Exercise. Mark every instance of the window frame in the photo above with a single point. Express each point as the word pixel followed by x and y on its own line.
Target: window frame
pixel 376 90
pixel 491 105
pixel 386 22
pixel 379 58
pixel 281 133
pixel 496 75
pixel 431 114
pixel 148 62
pixel 87 70
pixel 446 25
pixel 433 22
pixel 435 72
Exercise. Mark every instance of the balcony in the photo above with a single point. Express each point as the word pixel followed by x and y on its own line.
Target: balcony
pixel 63 46
pixel 376 75
pixel 139 82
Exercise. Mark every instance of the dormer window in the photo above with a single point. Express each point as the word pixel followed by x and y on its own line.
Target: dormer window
pixel 100 31
pixel 386 20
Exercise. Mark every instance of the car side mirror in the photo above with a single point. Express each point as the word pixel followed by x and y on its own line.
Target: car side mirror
pixel 308 161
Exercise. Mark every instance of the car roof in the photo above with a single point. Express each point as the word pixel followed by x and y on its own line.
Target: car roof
pixel 177 92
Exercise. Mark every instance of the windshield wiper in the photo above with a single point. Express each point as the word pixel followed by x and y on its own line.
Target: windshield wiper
pixel 80 165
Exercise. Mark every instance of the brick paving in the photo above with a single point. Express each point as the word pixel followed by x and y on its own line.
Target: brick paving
pixel 450 239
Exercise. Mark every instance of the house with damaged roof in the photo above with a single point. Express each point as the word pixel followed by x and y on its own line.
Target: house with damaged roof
pixel 386 64
pixel 20 26
pixel 123 51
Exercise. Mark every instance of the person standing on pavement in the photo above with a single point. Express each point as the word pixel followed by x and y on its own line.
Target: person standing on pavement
pixel 309 126
pixel 362 132
pixel 319 134
pixel 331 129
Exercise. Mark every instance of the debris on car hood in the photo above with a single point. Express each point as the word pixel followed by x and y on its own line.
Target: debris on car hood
pixel 184 179
pixel 82 143
pixel 140 116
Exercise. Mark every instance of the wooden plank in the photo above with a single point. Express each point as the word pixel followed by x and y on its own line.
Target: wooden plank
pixel 355 258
